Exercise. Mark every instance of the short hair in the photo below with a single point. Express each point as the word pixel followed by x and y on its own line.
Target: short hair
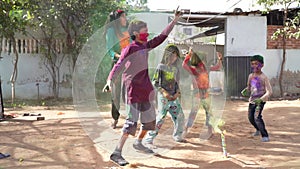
pixel 257 58
pixel 135 26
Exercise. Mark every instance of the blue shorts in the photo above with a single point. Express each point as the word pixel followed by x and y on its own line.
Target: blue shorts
pixel 143 111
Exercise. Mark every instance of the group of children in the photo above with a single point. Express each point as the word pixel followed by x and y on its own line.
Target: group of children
pixel 140 93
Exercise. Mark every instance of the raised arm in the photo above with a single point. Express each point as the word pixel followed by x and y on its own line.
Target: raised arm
pixel 164 34
pixel 190 69
pixel 219 64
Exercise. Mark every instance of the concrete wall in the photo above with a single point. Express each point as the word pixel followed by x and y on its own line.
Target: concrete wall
pixel 245 35
pixel 30 72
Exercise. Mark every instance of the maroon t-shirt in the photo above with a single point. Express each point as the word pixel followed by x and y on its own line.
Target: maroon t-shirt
pixel 134 64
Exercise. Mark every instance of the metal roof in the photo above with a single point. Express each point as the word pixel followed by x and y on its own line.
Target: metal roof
pixel 216 21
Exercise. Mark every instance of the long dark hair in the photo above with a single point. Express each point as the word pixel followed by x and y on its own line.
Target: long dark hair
pixel 113 21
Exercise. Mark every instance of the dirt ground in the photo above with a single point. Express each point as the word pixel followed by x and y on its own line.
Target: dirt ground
pixel 61 142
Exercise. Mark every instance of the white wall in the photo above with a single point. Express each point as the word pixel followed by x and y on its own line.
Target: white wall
pixel 273 59
pixel 30 72
pixel 156 22
pixel 245 35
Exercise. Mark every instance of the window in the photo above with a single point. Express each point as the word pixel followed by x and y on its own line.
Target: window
pixel 187 31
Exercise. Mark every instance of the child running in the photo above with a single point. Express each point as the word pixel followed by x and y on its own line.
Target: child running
pixel 166 79
pixel 259 88
pixel 200 80
pixel 138 87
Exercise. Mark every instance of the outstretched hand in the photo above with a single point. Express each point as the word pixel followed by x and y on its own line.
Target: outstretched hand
pixel 178 14
pixel 245 92
pixel 219 54
pixel 190 51
pixel 107 87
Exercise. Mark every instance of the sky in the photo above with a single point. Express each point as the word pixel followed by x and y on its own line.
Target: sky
pixel 203 5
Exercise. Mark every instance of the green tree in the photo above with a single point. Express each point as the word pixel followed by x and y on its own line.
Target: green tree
pixel 69 20
pixel 14 17
pixel 74 22
pixel 290 28
pixel 138 5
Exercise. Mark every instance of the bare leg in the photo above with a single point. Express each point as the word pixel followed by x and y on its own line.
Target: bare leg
pixel 141 134
pixel 138 143
pixel 122 141
pixel 116 156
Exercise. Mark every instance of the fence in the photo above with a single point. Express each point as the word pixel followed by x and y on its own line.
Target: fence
pixel 31 46
pixel 237 70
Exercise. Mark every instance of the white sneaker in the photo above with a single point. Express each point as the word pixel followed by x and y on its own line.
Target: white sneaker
pixel 265 139
pixel 150 146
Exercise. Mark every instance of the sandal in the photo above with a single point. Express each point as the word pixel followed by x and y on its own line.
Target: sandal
pixel 4 155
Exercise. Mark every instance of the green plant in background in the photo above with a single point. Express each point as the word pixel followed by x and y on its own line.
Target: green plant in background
pixel 290 28
pixel 15 17
pixel 43 103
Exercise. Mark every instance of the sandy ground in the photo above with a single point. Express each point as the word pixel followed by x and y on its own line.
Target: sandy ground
pixel 63 141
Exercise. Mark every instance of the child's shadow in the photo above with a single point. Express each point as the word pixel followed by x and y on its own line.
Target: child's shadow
pixel 187 161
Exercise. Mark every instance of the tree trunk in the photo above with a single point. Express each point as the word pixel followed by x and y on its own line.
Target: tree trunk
pixel 282 67
pixel 53 73
pixel 14 75
pixel 283 54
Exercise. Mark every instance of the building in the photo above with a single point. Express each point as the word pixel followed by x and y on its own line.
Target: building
pixel 245 34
